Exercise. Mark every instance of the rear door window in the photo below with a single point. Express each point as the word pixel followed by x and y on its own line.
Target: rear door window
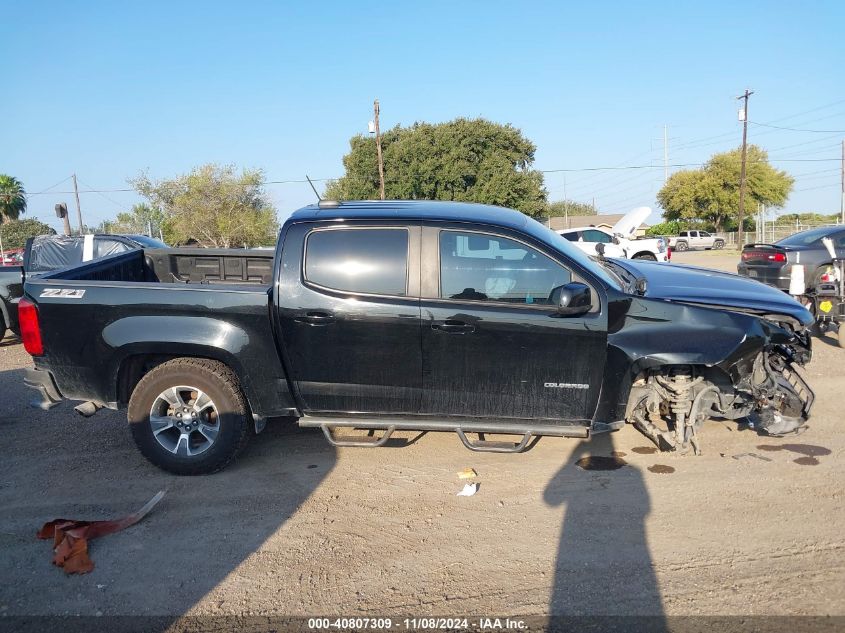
pixel 361 261
pixel 591 235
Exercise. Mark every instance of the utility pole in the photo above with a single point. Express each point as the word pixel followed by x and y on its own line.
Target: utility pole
pixel 665 153
pixel 744 96
pixel 78 208
pixel 378 151
pixel 565 203
pixel 842 192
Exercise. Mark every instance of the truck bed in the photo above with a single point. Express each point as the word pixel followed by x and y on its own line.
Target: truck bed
pixel 178 265
pixel 212 303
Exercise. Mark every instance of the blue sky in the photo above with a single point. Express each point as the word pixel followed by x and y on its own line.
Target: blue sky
pixel 109 89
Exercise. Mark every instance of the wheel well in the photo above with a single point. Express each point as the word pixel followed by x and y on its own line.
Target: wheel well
pixel 645 255
pixel 133 368
pixel 818 271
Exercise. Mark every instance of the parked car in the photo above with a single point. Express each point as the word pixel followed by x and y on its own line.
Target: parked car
pixel 13 257
pixel 695 240
pixel 50 252
pixel 412 315
pixel 619 241
pixel 772 263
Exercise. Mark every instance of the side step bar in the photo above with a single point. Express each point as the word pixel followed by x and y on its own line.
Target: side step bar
pixel 365 442
pixel 486 446
pixel 460 427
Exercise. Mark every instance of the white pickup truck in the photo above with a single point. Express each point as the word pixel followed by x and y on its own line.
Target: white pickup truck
pixel 619 241
pixel 692 240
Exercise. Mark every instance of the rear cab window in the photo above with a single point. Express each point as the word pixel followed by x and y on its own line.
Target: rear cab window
pixel 358 260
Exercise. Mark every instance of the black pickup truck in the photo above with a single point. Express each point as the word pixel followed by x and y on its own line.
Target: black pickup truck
pixel 387 316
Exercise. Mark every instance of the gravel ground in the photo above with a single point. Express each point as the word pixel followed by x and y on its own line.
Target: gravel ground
pixel 297 527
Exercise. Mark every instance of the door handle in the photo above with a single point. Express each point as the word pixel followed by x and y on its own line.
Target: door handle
pixel 453 326
pixel 315 317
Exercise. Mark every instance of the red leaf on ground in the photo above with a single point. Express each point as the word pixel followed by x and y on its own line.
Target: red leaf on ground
pixel 70 537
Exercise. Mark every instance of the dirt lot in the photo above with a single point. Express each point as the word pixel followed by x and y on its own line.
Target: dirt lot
pixel 296 527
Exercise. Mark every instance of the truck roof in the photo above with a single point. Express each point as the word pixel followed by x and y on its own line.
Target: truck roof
pixel 412 209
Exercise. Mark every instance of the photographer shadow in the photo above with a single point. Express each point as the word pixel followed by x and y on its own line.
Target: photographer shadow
pixel 603 570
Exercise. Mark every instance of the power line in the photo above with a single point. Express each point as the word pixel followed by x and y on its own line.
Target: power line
pixel 836 184
pixel 804 143
pixel 103 195
pixel 792 116
pixel 794 129
pixel 50 187
pixel 543 171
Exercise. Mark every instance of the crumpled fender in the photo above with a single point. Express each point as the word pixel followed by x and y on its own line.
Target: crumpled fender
pixel 650 333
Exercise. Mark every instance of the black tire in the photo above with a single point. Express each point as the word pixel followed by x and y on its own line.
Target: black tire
pixel 719 245
pixel 2 329
pixel 231 420
pixel 649 256
pixel 681 246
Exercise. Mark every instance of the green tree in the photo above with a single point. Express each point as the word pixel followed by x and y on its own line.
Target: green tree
pixel 215 205
pixel 711 193
pixel 15 233
pixel 790 219
pixel 471 160
pixel 561 208
pixel 12 198
pixel 141 219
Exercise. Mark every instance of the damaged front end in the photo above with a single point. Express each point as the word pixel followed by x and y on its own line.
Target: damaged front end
pixel 760 385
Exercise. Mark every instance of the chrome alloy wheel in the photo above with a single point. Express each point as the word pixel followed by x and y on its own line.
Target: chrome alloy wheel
pixel 184 420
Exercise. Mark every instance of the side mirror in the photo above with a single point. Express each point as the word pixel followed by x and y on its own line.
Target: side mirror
pixel 616 239
pixel 572 299
pixel 600 249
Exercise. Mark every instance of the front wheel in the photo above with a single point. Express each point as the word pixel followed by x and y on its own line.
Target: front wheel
pixel 719 245
pixel 189 417
pixel 647 256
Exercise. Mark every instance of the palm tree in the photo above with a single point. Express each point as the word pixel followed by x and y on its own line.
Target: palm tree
pixel 12 198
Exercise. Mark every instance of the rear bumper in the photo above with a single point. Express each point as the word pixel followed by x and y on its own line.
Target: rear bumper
pixel 777 277
pixel 42 381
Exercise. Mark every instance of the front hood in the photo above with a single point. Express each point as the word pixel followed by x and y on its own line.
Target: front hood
pixel 690 284
pixel 631 221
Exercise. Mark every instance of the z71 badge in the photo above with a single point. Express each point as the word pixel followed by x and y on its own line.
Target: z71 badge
pixel 62 293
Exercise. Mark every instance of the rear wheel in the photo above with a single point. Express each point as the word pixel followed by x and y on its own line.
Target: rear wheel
pixel 719 245
pixel 189 417
pixel 681 246
pixel 648 256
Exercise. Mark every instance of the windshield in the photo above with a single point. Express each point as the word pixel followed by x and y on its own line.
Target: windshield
pixel 805 238
pixel 148 242
pixel 561 244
